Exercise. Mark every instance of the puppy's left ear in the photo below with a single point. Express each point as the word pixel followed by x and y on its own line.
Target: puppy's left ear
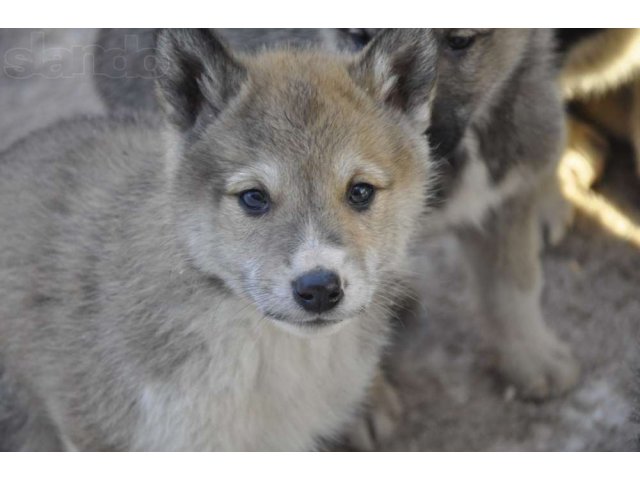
pixel 398 68
pixel 195 73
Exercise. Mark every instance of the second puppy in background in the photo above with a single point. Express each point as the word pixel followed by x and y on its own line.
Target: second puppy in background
pixel 498 99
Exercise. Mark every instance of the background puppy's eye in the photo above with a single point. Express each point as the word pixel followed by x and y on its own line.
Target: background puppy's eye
pixel 254 202
pixel 459 42
pixel 361 195
pixel 359 36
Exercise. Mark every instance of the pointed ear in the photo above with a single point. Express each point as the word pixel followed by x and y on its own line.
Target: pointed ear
pixel 398 68
pixel 196 72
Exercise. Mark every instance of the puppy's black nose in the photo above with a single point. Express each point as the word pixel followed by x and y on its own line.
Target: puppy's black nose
pixel 317 291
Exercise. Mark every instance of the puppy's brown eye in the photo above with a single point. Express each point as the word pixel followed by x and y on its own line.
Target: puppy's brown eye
pixel 361 195
pixel 458 42
pixel 254 202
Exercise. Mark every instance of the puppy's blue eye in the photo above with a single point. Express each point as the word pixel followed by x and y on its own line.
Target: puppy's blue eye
pixel 361 195
pixel 255 202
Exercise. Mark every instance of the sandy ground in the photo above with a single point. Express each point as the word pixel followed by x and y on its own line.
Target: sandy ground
pixel 453 399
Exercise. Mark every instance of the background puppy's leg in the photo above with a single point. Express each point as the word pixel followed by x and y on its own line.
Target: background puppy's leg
pixel 503 255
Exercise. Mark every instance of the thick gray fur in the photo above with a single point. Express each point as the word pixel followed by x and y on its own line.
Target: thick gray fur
pixel 142 309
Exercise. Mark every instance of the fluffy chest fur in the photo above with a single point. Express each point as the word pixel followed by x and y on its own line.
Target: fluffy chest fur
pixel 259 388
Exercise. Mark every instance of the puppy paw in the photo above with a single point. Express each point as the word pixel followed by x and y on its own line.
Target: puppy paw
pixel 379 421
pixel 539 370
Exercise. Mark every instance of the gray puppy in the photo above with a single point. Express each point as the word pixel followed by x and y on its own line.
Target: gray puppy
pixel 499 118
pixel 221 279
pixel 497 129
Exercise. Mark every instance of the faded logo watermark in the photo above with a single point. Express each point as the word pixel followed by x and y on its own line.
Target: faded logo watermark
pixel 131 60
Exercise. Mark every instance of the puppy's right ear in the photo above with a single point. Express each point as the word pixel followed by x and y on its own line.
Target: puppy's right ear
pixel 398 69
pixel 195 74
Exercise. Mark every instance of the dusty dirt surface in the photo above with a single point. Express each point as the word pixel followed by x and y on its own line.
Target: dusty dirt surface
pixel 453 399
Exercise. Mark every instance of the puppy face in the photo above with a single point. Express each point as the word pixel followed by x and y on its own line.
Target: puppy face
pixel 302 191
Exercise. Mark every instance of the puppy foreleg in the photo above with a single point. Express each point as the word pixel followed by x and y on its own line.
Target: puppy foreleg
pixel 503 256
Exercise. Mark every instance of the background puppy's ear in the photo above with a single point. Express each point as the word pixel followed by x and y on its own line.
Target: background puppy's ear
pixel 398 68
pixel 196 73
